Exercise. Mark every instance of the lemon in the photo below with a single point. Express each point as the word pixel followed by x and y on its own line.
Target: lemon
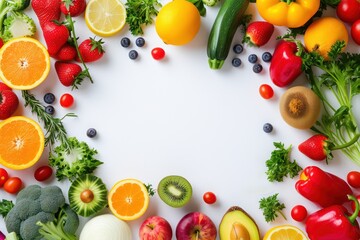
pixel 105 17
pixel 285 231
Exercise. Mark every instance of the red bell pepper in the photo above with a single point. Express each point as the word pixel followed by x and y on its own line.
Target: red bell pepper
pixel 322 188
pixel 334 223
pixel 285 65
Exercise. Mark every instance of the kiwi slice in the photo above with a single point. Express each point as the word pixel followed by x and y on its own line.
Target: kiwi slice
pixel 87 195
pixel 175 191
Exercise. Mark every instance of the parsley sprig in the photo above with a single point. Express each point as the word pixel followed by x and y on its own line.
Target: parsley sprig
pixel 337 83
pixel 139 13
pixel 279 164
pixel 55 130
pixel 5 207
pixel 271 206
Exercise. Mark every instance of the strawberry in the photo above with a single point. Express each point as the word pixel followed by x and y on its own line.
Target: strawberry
pixel 8 103
pixel 46 10
pixel 55 35
pixel 91 50
pixel 73 7
pixel 258 33
pixel 3 86
pixel 69 74
pixel 66 53
pixel 316 147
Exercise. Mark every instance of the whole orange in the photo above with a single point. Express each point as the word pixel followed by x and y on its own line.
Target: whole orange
pixel 323 33
pixel 178 22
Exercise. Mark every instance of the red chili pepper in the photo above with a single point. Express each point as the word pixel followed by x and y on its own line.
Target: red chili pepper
pixel 285 65
pixel 322 187
pixel 334 223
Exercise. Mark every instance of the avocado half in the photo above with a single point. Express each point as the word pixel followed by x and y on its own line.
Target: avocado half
pixel 237 224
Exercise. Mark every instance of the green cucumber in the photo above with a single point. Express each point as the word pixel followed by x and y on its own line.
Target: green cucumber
pixel 223 30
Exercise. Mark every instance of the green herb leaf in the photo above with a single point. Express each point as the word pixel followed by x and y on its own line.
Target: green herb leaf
pixel 271 206
pixel 5 207
pixel 279 164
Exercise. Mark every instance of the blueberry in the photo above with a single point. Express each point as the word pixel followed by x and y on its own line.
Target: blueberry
pixel 133 54
pixel 238 48
pixel 50 110
pixel 236 62
pixel 140 42
pixel 266 57
pixel 257 68
pixel 49 98
pixel 252 58
pixel 91 132
pixel 125 42
pixel 267 128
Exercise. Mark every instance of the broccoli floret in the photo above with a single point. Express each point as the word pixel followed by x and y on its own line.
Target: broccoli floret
pixel 18 24
pixel 28 228
pixel 74 160
pixel 55 229
pixel 51 199
pixel 35 204
pixel 72 220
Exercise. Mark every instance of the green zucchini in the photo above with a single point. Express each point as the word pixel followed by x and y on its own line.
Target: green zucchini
pixel 223 30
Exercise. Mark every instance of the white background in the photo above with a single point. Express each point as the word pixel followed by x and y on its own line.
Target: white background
pixel 177 116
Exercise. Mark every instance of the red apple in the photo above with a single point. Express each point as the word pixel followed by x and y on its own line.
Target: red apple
pixel 155 228
pixel 196 225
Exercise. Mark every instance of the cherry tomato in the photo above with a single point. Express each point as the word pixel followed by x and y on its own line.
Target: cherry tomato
pixel 158 53
pixel 266 91
pixel 209 197
pixel 66 100
pixel 348 10
pixel 353 179
pixel 13 185
pixel 299 213
pixel 353 204
pixel 355 32
pixel 4 176
pixel 43 173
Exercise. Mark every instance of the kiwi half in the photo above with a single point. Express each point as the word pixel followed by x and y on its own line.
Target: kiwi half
pixel 87 195
pixel 175 191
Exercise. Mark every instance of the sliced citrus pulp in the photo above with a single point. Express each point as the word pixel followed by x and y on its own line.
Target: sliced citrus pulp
pixel 128 199
pixel 22 142
pixel 24 63
pixel 105 17
pixel 288 232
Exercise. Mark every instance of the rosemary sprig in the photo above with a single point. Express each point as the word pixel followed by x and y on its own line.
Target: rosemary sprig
pixel 55 130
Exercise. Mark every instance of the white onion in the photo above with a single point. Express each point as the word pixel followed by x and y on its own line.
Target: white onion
pixel 105 226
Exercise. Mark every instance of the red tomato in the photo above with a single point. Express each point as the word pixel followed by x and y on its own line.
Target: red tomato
pixel 158 53
pixel 13 185
pixel 348 10
pixel 299 213
pixel 66 100
pixel 355 32
pixel 209 197
pixel 266 91
pixel 4 176
pixel 353 179
pixel 43 173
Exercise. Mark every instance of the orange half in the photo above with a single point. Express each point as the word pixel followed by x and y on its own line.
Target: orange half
pixel 24 63
pixel 22 142
pixel 128 199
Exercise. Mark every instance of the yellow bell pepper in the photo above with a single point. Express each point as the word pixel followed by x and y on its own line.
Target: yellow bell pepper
pixel 288 13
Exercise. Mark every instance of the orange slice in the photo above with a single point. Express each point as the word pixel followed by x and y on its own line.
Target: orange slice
pixel 128 199
pixel 24 63
pixel 285 232
pixel 22 142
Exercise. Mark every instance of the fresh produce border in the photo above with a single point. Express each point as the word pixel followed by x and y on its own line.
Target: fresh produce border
pixel 44 213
